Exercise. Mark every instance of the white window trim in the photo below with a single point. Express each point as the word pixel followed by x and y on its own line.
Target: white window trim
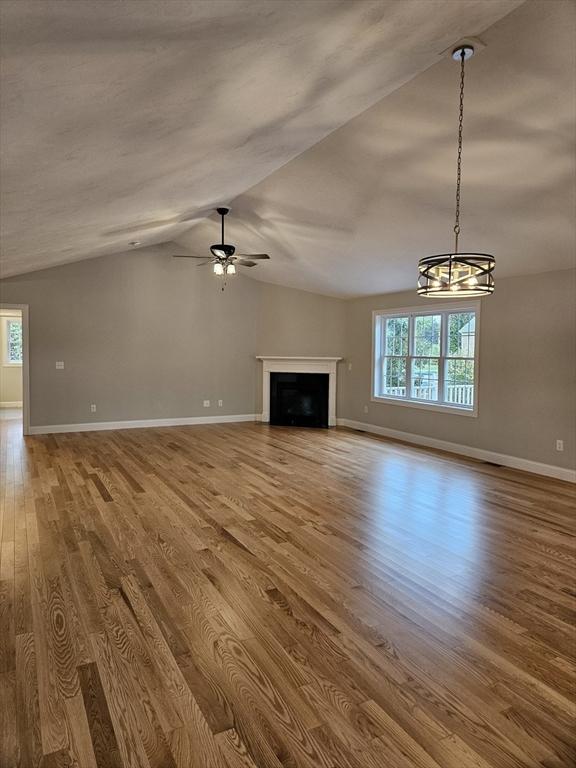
pixel 6 362
pixel 433 309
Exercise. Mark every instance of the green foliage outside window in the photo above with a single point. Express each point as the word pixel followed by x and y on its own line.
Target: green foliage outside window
pixel 14 333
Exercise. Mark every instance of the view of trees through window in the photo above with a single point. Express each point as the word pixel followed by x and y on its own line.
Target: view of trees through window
pixel 14 341
pixel 427 357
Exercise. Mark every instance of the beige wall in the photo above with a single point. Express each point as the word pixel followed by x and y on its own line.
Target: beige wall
pixel 527 390
pixel 294 322
pixel 144 336
pixel 10 375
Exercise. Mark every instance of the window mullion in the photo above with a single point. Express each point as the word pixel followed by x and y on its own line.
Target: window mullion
pixel 409 358
pixel 443 356
pixel 382 353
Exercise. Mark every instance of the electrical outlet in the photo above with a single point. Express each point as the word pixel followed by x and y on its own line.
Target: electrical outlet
pixel 559 445
pixel 93 408
pixel 365 409
pixel 59 365
pixel 206 403
pixel 220 403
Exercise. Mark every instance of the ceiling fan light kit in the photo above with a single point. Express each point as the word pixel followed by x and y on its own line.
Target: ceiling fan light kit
pixel 457 274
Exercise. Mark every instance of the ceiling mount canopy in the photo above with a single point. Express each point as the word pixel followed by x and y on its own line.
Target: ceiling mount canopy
pixel 457 273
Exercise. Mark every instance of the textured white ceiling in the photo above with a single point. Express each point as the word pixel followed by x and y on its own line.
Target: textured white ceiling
pixel 128 120
pixel 353 214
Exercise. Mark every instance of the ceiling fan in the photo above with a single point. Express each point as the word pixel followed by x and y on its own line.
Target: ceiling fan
pixel 223 259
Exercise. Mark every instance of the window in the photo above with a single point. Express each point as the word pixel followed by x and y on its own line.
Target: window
pixel 13 342
pixel 427 358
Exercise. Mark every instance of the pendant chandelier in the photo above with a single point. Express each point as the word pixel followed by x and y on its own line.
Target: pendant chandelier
pixel 457 274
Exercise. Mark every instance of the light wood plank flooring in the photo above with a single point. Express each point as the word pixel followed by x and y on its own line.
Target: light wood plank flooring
pixel 240 595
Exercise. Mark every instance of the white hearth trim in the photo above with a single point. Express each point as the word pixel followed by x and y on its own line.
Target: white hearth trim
pixel 296 364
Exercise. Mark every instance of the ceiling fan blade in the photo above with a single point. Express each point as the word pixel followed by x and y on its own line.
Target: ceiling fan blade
pixel 245 262
pixel 255 255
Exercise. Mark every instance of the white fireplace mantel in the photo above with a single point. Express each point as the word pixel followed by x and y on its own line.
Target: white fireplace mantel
pixel 278 364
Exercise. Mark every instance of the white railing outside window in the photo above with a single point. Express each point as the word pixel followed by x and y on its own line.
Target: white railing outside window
pixel 461 394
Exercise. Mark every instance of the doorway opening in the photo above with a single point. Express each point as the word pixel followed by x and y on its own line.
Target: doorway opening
pixel 14 378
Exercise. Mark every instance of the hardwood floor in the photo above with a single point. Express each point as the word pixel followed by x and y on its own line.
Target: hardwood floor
pixel 239 595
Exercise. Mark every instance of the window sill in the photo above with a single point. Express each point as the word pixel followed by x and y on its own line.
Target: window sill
pixel 440 408
pixel 11 365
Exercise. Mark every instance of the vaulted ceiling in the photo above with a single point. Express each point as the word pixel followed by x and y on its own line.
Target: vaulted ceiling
pixel 127 120
pixel 330 124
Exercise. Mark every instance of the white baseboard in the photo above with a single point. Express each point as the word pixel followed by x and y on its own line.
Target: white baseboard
pixel 97 426
pixel 514 462
pixel 11 404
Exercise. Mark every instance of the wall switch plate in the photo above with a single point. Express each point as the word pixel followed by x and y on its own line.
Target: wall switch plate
pixel 365 409
pixel 206 403
pixel 220 403
pixel 349 366
pixel 93 408
pixel 559 445
pixel 59 365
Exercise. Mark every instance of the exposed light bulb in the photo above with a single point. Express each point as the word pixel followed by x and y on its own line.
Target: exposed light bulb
pixel 218 268
pixel 230 269
pixel 472 280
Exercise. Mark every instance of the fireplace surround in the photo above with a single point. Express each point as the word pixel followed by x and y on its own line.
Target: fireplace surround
pixel 292 364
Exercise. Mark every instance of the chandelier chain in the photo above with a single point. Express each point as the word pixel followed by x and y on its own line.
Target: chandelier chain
pixel 459 162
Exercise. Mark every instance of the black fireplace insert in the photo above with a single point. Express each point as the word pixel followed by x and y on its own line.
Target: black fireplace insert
pixel 299 399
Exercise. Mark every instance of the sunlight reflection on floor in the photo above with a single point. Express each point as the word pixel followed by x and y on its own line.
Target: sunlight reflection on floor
pixel 427 513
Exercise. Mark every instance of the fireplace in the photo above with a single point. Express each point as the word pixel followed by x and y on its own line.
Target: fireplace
pixel 272 364
pixel 299 399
